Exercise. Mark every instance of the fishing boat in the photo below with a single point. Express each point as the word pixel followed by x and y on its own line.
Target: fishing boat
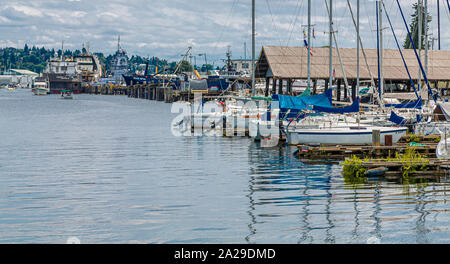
pixel 66 94
pixel 40 87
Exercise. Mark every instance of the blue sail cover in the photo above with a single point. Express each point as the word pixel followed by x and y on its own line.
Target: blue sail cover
pixel 416 104
pixel 354 108
pixel 304 102
pixel 397 119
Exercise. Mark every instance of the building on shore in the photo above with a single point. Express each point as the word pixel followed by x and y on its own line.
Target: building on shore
pixel 281 66
pixel 18 78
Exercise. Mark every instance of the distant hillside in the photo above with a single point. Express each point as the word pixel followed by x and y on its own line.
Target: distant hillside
pixel 35 58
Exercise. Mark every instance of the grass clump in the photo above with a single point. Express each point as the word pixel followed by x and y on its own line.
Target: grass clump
pixel 411 137
pixel 411 161
pixel 353 170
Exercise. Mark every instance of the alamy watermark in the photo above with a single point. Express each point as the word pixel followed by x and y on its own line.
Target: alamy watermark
pixel 73 240
pixel 231 118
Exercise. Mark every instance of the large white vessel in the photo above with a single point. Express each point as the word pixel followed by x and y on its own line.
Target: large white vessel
pixel 62 74
pixel 89 66
pixel 120 64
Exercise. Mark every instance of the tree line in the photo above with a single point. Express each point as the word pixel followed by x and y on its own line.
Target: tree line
pixel 35 59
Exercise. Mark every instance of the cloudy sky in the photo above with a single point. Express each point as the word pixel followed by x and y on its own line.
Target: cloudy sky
pixel 165 28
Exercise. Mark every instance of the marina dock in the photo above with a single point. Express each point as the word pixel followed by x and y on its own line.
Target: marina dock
pixel 432 169
pixel 425 145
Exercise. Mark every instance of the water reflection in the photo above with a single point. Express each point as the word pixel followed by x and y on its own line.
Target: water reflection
pixel 298 203
pixel 108 170
pixel 279 178
pixel 421 228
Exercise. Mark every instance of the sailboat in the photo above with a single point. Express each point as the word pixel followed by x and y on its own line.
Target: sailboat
pixel 332 128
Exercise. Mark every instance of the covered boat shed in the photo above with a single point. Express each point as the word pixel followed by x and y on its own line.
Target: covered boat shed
pixel 283 64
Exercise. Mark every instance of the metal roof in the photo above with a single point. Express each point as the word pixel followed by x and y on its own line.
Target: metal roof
pixel 24 72
pixel 291 63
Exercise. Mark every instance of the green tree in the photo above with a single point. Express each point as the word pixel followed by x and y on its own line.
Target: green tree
pixel 207 67
pixel 26 50
pixel 185 66
pixel 414 28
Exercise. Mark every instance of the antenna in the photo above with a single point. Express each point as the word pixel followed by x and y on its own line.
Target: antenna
pixel 253 47
pixel 62 50
pixel 245 50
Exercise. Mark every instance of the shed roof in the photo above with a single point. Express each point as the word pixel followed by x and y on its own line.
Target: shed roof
pixel 291 63
pixel 24 72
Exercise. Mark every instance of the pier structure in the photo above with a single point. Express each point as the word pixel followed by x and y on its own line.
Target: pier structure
pixel 150 92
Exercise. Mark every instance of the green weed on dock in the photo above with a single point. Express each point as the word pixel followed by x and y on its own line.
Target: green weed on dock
pixel 405 165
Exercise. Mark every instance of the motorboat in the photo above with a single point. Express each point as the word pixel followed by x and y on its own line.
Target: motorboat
pixel 40 87
pixel 66 94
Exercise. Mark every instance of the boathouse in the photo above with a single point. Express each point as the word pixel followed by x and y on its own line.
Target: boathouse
pixel 280 65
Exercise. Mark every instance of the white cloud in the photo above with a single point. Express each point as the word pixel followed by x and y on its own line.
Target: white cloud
pixel 27 10
pixel 166 28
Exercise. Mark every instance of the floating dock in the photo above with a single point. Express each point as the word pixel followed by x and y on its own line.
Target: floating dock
pixel 424 145
pixel 431 169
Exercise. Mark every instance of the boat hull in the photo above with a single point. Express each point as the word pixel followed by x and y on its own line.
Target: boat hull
pixel 343 136
pixel 41 91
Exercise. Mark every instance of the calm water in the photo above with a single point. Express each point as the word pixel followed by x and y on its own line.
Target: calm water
pixel 106 169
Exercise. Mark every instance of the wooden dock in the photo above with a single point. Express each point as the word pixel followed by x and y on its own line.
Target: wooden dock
pixel 149 92
pixel 431 170
pixel 340 152
pixel 424 145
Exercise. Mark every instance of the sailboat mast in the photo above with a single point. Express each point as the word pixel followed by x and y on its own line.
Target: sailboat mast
pixel 245 51
pixel 426 38
pixel 357 48
pixel 253 48
pixel 357 55
pixel 372 81
pixel 331 45
pixel 420 23
pixel 439 24
pixel 309 44
pixel 426 35
pixel 380 50
pixel 338 53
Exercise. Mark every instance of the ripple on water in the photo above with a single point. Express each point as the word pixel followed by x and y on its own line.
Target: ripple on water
pixel 106 169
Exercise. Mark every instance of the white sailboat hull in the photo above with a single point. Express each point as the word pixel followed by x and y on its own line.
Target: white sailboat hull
pixel 345 136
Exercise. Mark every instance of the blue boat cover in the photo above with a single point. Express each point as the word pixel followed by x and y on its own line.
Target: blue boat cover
pixel 304 102
pixel 397 119
pixel 418 118
pixel 306 92
pixel 416 104
pixel 354 108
